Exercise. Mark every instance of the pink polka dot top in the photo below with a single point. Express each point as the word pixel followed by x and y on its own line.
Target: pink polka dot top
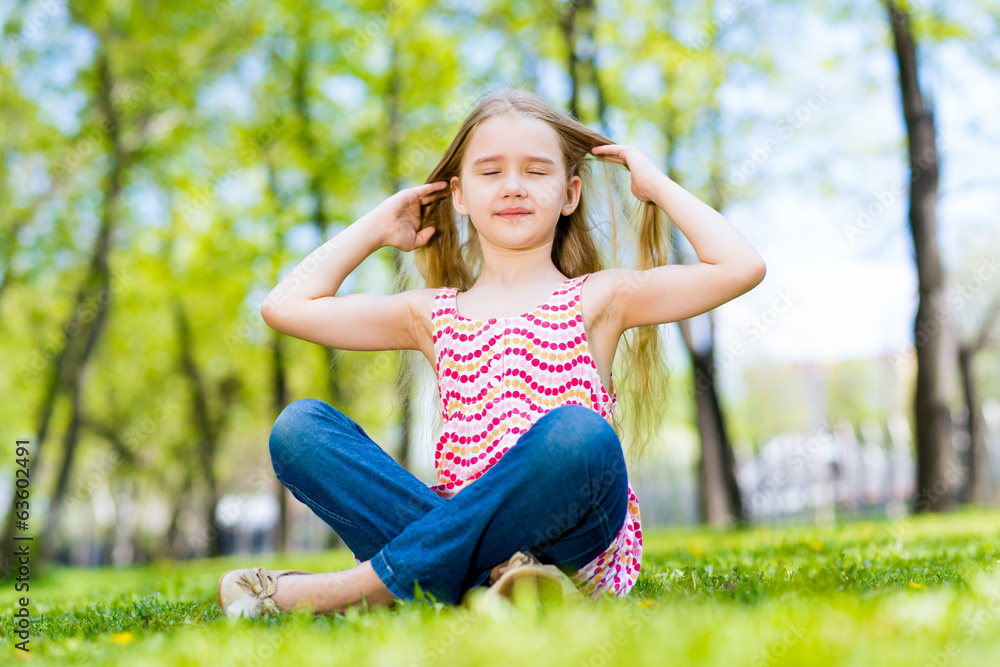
pixel 496 378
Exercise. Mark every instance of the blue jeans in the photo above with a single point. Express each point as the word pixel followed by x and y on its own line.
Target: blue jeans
pixel 561 491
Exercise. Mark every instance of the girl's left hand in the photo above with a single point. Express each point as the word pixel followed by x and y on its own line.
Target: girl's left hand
pixel 644 172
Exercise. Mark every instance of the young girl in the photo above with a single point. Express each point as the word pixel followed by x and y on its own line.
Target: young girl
pixel 521 325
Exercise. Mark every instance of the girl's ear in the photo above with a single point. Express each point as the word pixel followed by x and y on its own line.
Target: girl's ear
pixel 456 196
pixel 573 191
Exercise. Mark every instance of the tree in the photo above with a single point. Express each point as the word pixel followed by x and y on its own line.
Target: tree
pixel 90 310
pixel 933 336
pixel 976 488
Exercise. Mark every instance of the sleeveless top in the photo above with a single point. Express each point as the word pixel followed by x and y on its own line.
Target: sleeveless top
pixel 496 378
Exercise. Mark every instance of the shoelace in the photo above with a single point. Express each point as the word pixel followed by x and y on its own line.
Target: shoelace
pixel 261 583
pixel 519 559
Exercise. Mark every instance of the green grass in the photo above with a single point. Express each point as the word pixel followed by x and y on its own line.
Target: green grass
pixel 919 591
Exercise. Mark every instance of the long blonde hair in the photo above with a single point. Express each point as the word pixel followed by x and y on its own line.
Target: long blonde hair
pixel 454 259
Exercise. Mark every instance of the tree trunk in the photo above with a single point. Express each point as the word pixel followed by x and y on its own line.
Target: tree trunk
pixel 720 500
pixel 977 486
pixel 980 487
pixel 168 547
pixel 92 301
pixel 393 150
pixel 72 436
pixel 279 373
pixel 579 19
pixel 300 80
pixel 9 244
pixel 719 496
pixel 206 426
pixel 569 34
pixel 937 471
pixel 279 394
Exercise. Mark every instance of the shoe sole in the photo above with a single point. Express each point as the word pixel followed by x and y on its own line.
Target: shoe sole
pixel 218 589
pixel 546 586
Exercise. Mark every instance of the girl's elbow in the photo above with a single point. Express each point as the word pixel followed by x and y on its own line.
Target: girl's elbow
pixel 270 312
pixel 755 272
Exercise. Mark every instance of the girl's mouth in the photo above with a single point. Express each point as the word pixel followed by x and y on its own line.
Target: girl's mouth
pixel 514 213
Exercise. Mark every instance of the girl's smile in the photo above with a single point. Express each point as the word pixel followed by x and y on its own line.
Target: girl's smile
pixel 513 213
pixel 514 172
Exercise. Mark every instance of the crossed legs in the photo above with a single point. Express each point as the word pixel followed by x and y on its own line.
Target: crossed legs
pixel 561 492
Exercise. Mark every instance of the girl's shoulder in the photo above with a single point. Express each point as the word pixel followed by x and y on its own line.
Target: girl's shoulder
pixel 600 289
pixel 422 298
pixel 421 303
pixel 425 300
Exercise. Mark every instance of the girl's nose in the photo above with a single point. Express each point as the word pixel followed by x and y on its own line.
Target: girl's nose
pixel 512 185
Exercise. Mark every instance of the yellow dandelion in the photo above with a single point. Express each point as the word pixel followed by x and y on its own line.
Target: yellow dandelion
pixel 122 637
pixel 916 587
pixel 816 546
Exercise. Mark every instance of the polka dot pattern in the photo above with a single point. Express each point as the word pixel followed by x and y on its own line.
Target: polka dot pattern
pixel 496 378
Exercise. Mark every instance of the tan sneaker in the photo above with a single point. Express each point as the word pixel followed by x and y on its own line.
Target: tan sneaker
pixel 248 592
pixel 523 573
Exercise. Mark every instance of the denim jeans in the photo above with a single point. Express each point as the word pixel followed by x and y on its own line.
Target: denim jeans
pixel 561 492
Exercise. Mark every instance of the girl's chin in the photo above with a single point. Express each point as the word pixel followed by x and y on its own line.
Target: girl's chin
pixel 514 241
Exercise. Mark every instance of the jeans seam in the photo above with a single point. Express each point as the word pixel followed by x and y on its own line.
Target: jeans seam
pixel 389 578
pixel 605 526
pixel 316 507
pixel 604 532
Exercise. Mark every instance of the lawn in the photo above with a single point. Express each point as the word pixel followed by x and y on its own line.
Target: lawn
pixel 915 591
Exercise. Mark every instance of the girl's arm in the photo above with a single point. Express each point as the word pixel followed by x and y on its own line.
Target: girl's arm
pixel 304 304
pixel 729 265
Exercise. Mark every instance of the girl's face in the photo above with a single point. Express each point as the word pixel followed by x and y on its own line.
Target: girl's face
pixel 513 185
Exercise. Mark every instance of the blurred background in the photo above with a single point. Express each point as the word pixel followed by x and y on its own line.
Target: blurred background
pixel 165 164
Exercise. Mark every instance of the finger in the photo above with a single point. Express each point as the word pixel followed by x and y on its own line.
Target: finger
pixel 424 235
pixel 433 197
pixel 608 155
pixel 429 187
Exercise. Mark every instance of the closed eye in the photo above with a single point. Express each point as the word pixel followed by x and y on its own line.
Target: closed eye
pixel 537 173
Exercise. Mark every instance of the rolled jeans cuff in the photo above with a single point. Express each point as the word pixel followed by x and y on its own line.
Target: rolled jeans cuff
pixel 386 573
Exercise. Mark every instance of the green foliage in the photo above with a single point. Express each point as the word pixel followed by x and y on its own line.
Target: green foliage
pixel 237 124
pixel 867 593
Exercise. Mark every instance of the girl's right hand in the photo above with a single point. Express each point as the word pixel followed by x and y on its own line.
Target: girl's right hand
pixel 399 216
